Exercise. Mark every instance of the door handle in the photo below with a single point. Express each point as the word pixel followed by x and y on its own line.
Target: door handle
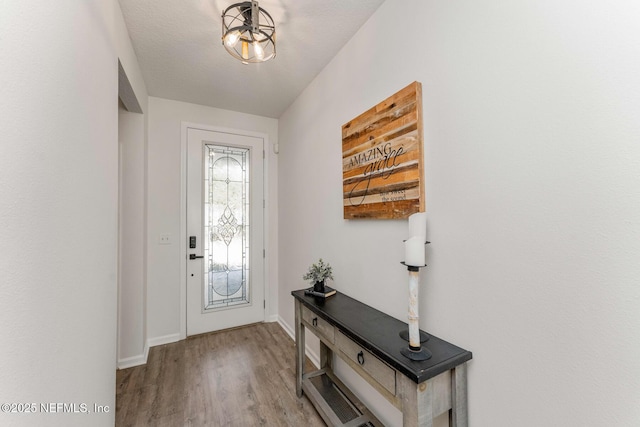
pixel 361 358
pixel 194 256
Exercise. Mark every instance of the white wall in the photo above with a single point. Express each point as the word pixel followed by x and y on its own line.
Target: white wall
pixel 58 209
pixel 132 256
pixel 128 59
pixel 532 170
pixel 165 322
pixel 132 241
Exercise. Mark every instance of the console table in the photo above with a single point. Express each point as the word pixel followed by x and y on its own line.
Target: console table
pixel 368 341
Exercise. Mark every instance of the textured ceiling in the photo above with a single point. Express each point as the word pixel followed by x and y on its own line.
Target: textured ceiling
pixel 178 45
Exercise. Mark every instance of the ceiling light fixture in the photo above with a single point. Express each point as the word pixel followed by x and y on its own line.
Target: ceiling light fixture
pixel 248 32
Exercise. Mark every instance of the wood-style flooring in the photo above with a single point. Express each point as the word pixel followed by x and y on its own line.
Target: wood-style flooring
pixel 241 377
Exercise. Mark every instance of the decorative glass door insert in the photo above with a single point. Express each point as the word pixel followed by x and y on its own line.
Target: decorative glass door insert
pixel 226 226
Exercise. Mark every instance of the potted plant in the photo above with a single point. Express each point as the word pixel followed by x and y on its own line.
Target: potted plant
pixel 317 274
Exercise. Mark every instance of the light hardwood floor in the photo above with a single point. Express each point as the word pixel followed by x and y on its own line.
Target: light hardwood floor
pixel 241 377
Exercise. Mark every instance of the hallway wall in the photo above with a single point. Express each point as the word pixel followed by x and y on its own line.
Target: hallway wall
pixel 58 210
pixel 164 204
pixel 132 223
pixel 532 170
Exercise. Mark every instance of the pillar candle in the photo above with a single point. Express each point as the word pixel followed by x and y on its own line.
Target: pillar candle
pixel 414 251
pixel 418 224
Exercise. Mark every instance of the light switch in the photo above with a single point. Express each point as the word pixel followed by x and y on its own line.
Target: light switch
pixel 164 239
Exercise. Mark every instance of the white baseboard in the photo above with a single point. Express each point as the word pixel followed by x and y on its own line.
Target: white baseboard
pixel 312 355
pixel 166 339
pixel 130 362
pixel 286 328
pixel 141 359
pixel 272 318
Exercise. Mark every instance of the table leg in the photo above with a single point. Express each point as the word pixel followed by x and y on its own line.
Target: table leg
pixel 417 403
pixel 299 348
pixel 458 414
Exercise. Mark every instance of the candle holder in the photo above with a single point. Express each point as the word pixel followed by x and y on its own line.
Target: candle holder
pixel 404 334
pixel 414 351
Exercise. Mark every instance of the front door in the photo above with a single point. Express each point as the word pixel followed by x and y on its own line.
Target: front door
pixel 225 250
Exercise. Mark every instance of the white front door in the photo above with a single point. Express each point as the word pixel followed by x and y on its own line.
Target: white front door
pixel 225 243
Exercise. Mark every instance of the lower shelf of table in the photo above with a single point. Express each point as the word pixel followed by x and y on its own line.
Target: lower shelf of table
pixel 335 403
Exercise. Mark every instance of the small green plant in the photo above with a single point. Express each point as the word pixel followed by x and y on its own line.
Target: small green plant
pixel 318 272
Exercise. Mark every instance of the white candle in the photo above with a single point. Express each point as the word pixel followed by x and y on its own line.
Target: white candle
pixel 418 224
pixel 414 251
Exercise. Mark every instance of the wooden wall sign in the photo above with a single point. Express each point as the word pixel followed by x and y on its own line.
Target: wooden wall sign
pixel 382 159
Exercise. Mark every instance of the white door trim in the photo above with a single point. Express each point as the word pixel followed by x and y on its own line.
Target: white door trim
pixel 185 126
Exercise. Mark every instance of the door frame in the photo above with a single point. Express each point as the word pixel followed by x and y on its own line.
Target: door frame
pixel 184 127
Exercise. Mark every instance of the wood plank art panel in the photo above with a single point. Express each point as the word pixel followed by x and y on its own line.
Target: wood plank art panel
pixel 382 159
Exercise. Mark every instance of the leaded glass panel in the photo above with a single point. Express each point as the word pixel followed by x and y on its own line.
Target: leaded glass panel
pixel 226 226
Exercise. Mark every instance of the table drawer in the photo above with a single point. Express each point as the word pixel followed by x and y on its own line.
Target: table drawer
pixel 318 325
pixel 382 373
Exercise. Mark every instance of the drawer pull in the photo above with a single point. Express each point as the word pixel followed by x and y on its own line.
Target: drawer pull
pixel 315 321
pixel 361 358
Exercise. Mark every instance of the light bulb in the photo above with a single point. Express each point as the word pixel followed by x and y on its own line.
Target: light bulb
pixel 245 50
pixel 257 48
pixel 231 39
